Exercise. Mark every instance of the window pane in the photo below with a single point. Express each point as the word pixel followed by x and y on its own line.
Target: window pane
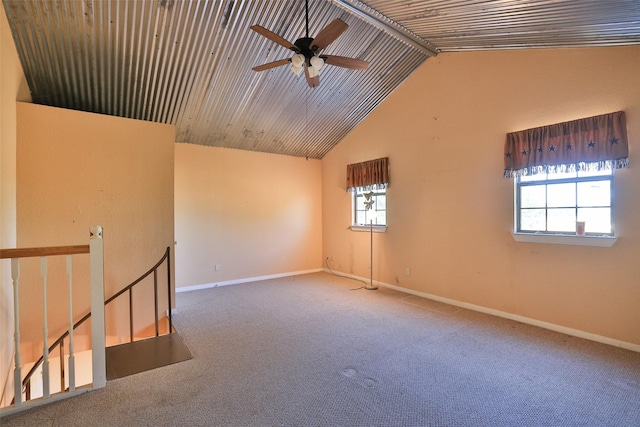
pixel 379 218
pixel 365 218
pixel 547 205
pixel 594 193
pixel 532 220
pixel 561 195
pixel 368 216
pixel 561 220
pixel 376 211
pixel 597 220
pixel 594 173
pixel 537 177
pixel 532 196
pixel 562 175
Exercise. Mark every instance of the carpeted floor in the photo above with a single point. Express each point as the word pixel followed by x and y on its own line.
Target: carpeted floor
pixel 308 351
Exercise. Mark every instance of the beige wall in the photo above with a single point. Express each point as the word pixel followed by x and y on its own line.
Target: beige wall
pixel 254 214
pixel 450 212
pixel 76 170
pixel 12 88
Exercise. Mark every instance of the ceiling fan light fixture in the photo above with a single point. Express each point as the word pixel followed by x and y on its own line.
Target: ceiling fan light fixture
pixel 296 70
pixel 317 63
pixel 298 60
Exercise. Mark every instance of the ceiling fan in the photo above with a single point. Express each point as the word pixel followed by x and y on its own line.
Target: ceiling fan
pixel 307 55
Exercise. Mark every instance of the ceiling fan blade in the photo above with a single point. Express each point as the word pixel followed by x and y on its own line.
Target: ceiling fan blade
pixel 311 81
pixel 273 64
pixel 328 34
pixel 343 61
pixel 274 37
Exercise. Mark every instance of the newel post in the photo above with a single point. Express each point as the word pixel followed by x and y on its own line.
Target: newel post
pixel 98 338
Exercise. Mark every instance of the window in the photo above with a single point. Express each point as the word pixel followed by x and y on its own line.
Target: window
pixel 558 202
pixel 370 207
pixel 368 181
pixel 564 179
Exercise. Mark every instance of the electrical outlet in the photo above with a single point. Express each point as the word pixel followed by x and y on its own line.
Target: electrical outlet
pixel 407 271
pixel 217 267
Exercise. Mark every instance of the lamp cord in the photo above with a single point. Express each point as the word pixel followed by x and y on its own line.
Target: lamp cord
pixel 326 262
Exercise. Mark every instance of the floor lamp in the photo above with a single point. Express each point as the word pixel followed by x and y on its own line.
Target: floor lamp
pixel 371 286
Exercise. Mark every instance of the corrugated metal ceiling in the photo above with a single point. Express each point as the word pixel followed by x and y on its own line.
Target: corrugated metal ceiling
pixel 188 62
pixel 507 24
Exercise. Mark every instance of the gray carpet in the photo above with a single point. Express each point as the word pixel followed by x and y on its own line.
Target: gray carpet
pixel 308 351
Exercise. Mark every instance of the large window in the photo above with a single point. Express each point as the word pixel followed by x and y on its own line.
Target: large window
pixel 370 207
pixel 564 179
pixel 565 203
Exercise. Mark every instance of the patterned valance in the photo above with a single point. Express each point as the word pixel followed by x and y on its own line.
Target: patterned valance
pixel 598 142
pixel 371 175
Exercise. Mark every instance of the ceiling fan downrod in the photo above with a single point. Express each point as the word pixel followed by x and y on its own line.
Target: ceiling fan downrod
pixel 306 8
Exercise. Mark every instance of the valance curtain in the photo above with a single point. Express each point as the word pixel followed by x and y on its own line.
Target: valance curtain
pixel 592 143
pixel 370 175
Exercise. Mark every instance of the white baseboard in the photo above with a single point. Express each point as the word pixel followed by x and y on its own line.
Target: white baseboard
pixel 35 403
pixel 541 324
pixel 245 280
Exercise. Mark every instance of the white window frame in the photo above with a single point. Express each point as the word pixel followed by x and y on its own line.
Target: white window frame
pixel 367 227
pixel 564 238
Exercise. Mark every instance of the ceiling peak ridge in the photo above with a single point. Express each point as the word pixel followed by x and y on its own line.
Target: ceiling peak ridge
pixel 391 27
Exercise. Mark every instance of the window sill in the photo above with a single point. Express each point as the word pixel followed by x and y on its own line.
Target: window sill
pixel 376 228
pixel 566 239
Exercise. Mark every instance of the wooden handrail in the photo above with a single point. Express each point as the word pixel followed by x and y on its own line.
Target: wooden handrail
pixel 167 256
pixel 48 251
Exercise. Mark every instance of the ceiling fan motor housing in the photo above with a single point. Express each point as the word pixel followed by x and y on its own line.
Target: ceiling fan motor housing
pixel 304 46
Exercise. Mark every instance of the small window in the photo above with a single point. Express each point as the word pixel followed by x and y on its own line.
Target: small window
pixel 370 206
pixel 564 203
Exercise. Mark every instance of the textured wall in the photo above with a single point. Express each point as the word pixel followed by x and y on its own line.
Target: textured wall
pixel 12 88
pixel 450 212
pixel 254 214
pixel 75 170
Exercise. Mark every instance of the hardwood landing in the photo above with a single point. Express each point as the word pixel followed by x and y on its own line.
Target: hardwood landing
pixel 145 355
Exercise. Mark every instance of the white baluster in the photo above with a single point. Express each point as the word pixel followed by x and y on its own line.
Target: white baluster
pixel 97 308
pixel 72 363
pixel 45 330
pixel 17 373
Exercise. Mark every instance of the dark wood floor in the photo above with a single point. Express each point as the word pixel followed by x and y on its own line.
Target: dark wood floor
pixel 139 356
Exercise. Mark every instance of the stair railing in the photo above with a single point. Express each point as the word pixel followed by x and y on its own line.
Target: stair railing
pixel 95 250
pixel 26 382
pixel 129 289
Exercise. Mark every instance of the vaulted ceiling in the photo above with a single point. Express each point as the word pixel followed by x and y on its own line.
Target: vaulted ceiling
pixel 188 62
